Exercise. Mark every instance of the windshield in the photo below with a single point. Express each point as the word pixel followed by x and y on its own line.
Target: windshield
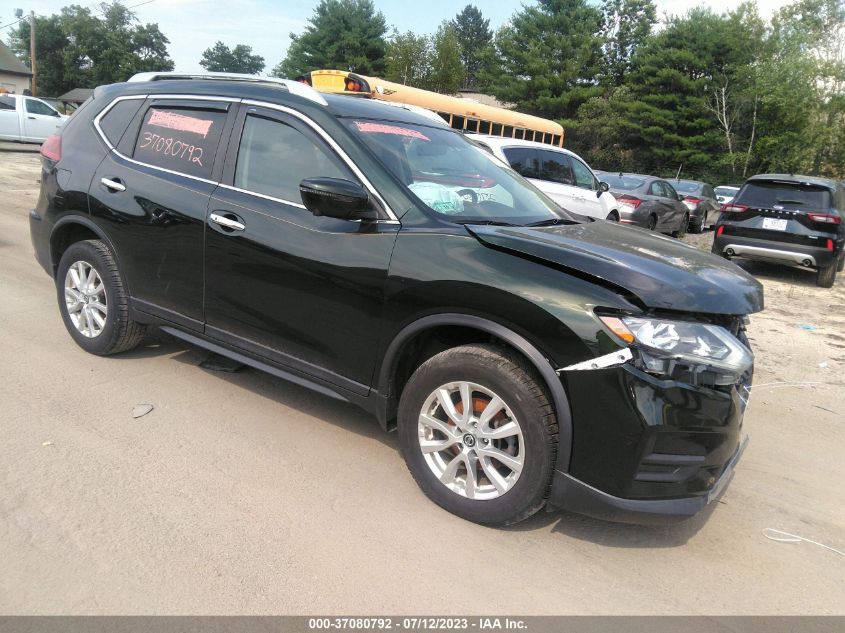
pixel 685 186
pixel 622 182
pixel 769 194
pixel 455 178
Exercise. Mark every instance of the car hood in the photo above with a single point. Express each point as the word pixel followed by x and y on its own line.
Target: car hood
pixel 663 273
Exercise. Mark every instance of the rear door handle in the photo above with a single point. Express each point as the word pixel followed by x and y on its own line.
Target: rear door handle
pixel 227 223
pixel 113 185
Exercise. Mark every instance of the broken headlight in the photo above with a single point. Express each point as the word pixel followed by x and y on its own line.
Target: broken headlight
pixel 700 353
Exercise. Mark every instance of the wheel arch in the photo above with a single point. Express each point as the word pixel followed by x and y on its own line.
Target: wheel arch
pixel 399 346
pixel 74 228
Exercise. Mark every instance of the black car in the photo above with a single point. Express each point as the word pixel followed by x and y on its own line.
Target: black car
pixel 786 219
pixel 648 202
pixel 701 201
pixel 527 358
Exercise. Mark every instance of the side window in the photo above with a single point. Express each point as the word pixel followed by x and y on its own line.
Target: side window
pixel 656 189
pixel 669 191
pixel 7 103
pixel 115 121
pixel 583 176
pixel 709 193
pixel 33 106
pixel 556 168
pixel 524 161
pixel 274 157
pixel 180 139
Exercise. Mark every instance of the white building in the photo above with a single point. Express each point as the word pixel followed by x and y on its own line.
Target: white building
pixel 15 77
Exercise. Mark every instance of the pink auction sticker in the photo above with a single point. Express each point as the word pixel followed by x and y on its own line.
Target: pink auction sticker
pixel 180 122
pixel 381 128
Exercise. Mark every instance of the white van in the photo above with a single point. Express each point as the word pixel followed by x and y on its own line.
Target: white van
pixel 560 174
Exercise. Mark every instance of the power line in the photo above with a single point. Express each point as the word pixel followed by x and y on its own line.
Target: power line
pixel 140 4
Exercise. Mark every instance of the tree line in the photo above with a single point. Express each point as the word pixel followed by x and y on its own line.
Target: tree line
pixel 716 95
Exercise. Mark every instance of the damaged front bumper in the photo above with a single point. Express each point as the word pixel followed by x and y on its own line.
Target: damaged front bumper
pixel 647 449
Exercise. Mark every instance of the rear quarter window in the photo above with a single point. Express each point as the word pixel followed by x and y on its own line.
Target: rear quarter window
pixel 117 119
pixel 769 194
pixel 7 103
pixel 184 140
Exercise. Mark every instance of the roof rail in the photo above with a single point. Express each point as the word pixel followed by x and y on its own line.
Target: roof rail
pixel 293 87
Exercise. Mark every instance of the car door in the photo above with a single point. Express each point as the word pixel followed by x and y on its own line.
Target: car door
pixel 9 119
pixel 303 291
pixel 662 206
pixel 588 187
pixel 678 208
pixel 39 120
pixel 151 193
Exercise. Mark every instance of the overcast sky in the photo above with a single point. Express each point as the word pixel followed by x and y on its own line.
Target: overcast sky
pixel 194 25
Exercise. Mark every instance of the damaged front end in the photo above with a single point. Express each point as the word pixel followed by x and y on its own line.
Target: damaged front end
pixel 657 423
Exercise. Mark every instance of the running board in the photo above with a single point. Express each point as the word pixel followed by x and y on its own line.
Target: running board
pixel 252 362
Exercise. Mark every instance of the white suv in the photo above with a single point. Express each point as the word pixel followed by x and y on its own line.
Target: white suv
pixel 560 174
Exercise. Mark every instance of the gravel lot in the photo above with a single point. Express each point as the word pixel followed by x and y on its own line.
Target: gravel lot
pixel 240 493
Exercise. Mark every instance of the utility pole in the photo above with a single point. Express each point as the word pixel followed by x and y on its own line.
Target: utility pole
pixel 32 51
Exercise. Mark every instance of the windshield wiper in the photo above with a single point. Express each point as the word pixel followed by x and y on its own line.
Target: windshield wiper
pixel 486 222
pixel 551 222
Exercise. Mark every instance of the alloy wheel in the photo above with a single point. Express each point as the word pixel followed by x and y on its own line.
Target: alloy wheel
pixel 471 441
pixel 85 299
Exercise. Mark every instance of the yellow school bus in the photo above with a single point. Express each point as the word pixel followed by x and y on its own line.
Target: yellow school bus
pixel 461 114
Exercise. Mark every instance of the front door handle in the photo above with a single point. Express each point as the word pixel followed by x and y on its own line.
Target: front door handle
pixel 227 223
pixel 113 185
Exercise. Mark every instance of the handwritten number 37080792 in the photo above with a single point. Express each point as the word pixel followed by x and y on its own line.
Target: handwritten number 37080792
pixel 171 147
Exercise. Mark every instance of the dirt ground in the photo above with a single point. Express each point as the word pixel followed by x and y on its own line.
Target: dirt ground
pixel 243 494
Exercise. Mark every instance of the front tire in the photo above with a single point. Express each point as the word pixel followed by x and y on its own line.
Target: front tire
pixel 479 434
pixel 613 216
pixel 93 300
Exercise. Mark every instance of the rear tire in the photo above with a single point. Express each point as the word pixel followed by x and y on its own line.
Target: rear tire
pixel 697 227
pixel 613 216
pixel 521 429
pixel 841 263
pixel 827 275
pixel 93 300
pixel 652 223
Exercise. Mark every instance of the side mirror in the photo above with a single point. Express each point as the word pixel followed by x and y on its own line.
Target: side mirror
pixel 603 188
pixel 337 198
pixel 680 197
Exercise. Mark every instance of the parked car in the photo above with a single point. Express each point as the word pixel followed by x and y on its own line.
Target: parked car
pixel 316 238
pixel 786 219
pixel 27 119
pixel 649 202
pixel 726 193
pixel 560 174
pixel 700 199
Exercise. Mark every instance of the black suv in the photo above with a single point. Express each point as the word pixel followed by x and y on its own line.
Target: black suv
pixel 526 357
pixel 786 219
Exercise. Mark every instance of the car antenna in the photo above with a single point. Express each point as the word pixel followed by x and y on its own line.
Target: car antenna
pixel 678 175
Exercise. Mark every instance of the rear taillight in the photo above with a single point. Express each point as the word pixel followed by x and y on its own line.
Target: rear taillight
pixel 830 245
pixel 734 208
pixel 631 201
pixel 825 218
pixel 51 148
pixel 720 230
pixel 691 203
